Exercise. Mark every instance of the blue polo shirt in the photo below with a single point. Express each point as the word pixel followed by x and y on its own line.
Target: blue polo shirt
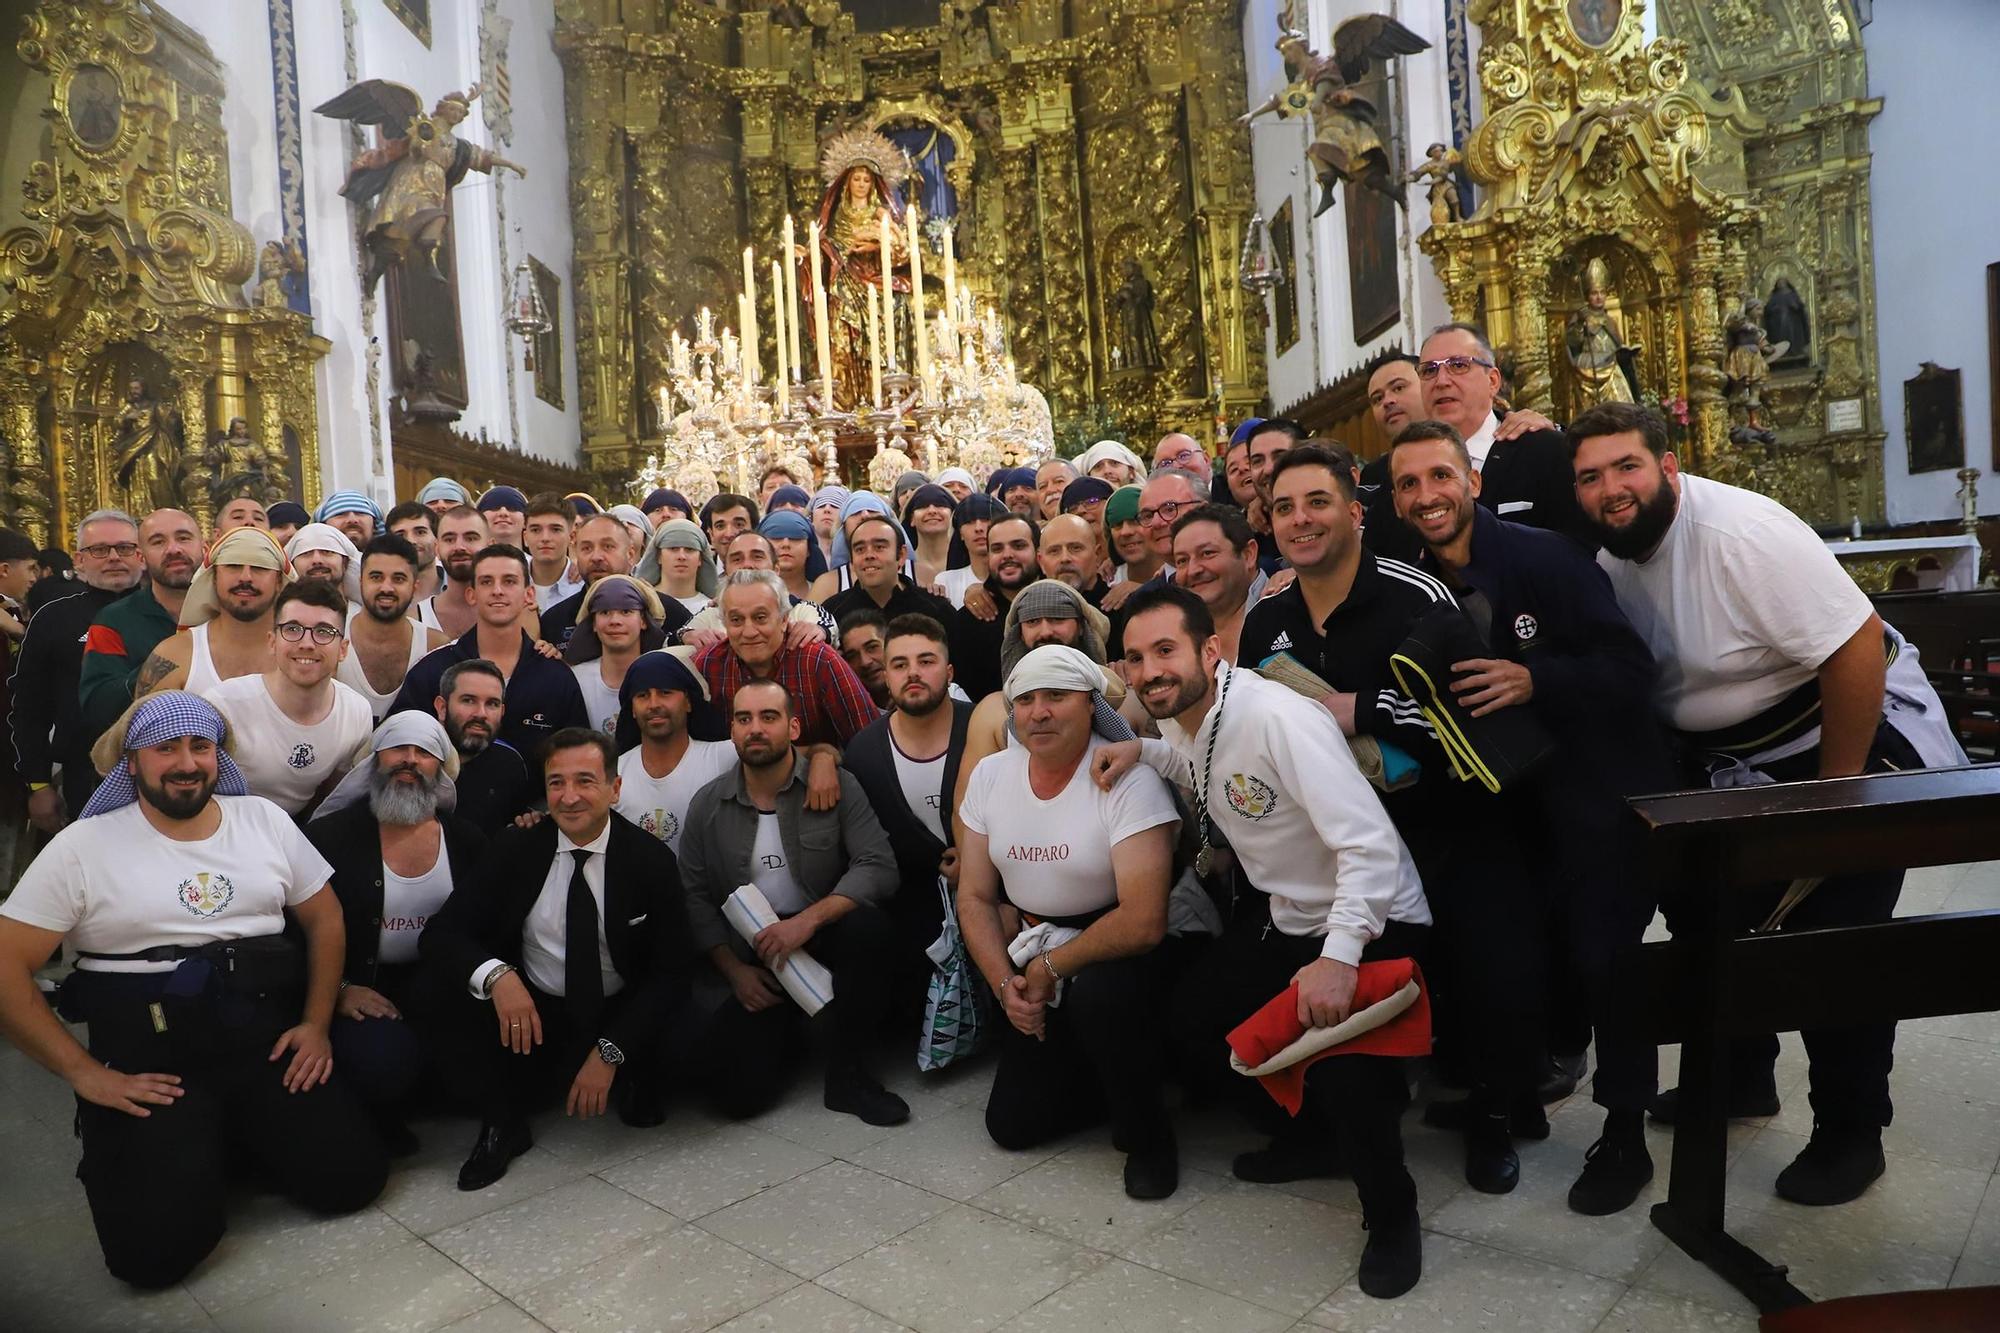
pixel 542 695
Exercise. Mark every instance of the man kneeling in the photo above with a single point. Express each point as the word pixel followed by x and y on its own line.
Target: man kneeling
pixel 1062 897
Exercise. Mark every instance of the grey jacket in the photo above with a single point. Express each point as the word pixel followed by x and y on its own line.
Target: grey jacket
pixel 842 850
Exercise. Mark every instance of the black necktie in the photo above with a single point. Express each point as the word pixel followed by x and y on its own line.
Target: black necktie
pixel 583 979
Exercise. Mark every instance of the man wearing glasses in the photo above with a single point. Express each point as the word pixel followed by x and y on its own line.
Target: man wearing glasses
pixel 1526 478
pixel 1181 451
pixel 1168 495
pixel 294 729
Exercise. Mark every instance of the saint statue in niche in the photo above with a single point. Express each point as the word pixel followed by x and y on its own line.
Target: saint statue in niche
pixel 1139 339
pixel 864 173
pixel 1603 362
pixel 146 460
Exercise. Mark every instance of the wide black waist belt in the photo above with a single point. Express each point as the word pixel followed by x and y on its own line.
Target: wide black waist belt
pixel 1783 722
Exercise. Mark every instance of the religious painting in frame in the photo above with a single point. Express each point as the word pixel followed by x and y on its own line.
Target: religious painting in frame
pixel 1373 286
pixel 415 15
pixel 548 346
pixel 1934 420
pixel 1595 22
pixel 1284 249
pixel 427 353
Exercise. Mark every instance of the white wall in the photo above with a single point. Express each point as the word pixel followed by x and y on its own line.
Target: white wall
pixel 1934 203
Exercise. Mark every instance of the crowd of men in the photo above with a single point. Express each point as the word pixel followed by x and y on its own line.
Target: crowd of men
pixel 524 801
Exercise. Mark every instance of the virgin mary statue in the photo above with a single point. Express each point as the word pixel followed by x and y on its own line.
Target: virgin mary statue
pixel 864 174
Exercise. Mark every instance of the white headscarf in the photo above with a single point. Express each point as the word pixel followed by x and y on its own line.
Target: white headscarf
pixel 408 727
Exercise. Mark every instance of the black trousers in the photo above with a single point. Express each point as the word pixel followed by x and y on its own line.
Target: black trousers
pixel 1355 1100
pixel 156 1185
pixel 1104 1052
pixel 383 1059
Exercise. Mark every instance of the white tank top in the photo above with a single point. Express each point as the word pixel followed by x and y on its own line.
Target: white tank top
pixel 350 674
pixel 202 675
pixel 427 615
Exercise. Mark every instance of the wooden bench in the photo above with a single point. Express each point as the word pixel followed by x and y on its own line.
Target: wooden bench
pixel 1709 984
pixel 1957 637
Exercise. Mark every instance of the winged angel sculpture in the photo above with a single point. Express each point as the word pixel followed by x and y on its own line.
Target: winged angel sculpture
pixel 1345 143
pixel 408 177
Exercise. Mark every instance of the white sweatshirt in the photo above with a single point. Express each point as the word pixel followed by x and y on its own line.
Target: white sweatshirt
pixel 1304 824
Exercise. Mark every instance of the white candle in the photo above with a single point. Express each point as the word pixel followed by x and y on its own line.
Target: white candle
pixel 950 260
pixel 875 345
pixel 749 320
pixel 791 300
pixel 918 333
pixel 888 290
pixel 784 334
pixel 822 324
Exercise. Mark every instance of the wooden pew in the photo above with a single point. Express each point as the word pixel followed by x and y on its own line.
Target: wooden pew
pixel 1708 984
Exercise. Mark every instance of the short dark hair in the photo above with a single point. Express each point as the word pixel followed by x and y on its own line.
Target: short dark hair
pixel 1427 431
pixel 548 502
pixel 778 469
pixel 388 543
pixel 16 546
pixel 727 500
pixel 872 517
pixel 311 592
pixel 1334 459
pixel 410 509
pixel 477 666
pixel 458 511
pixel 1285 426
pixel 577 738
pixel 918 624
pixel 862 617
pixel 1196 618
pixel 783 693
pixel 1616 419
pixel 502 551
pixel 1034 528
pixel 1235 525
pixel 1388 358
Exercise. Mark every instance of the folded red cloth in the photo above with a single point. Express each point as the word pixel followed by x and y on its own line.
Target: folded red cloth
pixel 1276 1026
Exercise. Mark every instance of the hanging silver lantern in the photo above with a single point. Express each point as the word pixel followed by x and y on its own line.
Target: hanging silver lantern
pixel 1257 271
pixel 527 316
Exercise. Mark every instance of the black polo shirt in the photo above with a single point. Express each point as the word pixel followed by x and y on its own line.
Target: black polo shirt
pixel 542 694
pixel 493 787
pixel 907 598
pixel 975 645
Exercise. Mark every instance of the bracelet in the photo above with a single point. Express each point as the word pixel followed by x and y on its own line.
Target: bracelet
pixel 1051 966
pixel 494 979
pixel 345 983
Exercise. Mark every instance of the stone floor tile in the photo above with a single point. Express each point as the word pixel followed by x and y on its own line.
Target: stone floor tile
pixel 1967 1027
pixel 411 1289
pixel 809 1309
pixel 270 1241
pixel 1653 1312
pixel 500 1317
pixel 951 1154
pixel 542 1238
pixel 803 1118
pixel 963 1271
pixel 1468 1286
pixel 1946 1065
pixel 605 1141
pixel 1946 1127
pixel 38 1182
pixel 685 1279
pixel 1263 1245
pixel 1132 1299
pixel 1916 1202
pixel 1080 1195
pixel 1825 1259
pixel 824 1217
pixel 693 1177
pixel 965 1083
pixel 52 1276
pixel 423 1192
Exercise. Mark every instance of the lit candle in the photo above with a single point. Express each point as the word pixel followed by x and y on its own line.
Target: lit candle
pixel 784 333
pixel 875 344
pixel 666 418
pixel 918 333
pixel 950 260
pixel 791 290
pixel 888 289
pixel 704 326
pixel 749 320
pixel 822 324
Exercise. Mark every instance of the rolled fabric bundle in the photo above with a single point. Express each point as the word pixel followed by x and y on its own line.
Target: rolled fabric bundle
pixel 1496 750
pixel 1386 767
pixel 804 977
pixel 1036 940
pixel 1391 1016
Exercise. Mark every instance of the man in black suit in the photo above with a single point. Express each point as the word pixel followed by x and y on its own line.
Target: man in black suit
pixel 561 1013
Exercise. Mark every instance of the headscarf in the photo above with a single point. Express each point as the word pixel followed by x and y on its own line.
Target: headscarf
pixel 1084 490
pixel 786 524
pixel 443 488
pixel 502 497
pixel 409 727
pixel 972 507
pixel 665 497
pixel 1112 450
pixel 930 495
pixel 1057 666
pixel 255 547
pixel 347 502
pixel 668 669
pixel 584 504
pixel 1007 478
pixel 1122 507
pixel 1250 427
pixel 165 716
pixel 861 502
pixel 1051 599
pixel 681 534
pixel 614 592
pixel 830 494
pixel 326 537
pixel 288 512
pixel 959 475
pixel 635 518
pixel 789 495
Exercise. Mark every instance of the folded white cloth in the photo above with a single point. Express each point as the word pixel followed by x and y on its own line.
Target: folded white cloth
pixel 1314 1040
pixel 1036 940
pixel 804 977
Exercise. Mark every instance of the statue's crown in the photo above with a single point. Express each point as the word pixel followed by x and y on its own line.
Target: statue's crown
pixel 863 148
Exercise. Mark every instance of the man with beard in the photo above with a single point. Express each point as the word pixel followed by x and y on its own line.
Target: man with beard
pixel 878 548
pixel 601 546
pixel 1215 558
pixel 1167 495
pixel 46 719
pixel 1068 552
pixel 620 619
pixel 383 641
pixel 1561 648
pixel 826 874
pixel 907 761
pixel 296 730
pixel 976 639
pixel 124 634
pixel 323 552
pixel 1772 669
pixel 1395 392
pixel 667 704
pixel 228 612
pixel 461 536
pixel 493 783
pixel 1292 807
pixel 1126 539
pixel 416 525
pixel 864 639
pixel 170 864
pixel 396 848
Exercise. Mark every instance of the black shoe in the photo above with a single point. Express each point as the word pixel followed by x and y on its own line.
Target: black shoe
pixel 859 1095
pixel 1154 1174
pixel 1563 1076
pixel 1393 1259
pixel 1491 1164
pixel 1837 1166
pixel 644 1109
pixel 499 1142
pixel 1614 1171
pixel 1528 1121
pixel 1284 1161
pixel 1743 1104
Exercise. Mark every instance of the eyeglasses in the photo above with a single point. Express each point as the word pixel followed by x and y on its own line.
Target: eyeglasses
pixel 105 550
pixel 1457 365
pixel 1165 513
pixel 1180 459
pixel 322 635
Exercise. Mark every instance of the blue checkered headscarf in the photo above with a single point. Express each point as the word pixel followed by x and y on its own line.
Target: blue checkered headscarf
pixel 166 716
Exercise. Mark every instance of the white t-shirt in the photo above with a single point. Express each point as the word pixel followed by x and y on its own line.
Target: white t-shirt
pixel 771 871
pixel 696 604
pixel 407 905
pixel 1740 605
pixel 600 701
pixel 923 786
pixel 1054 856
pixel 955 582
pixel 281 760
pixel 114 884
pixel 659 805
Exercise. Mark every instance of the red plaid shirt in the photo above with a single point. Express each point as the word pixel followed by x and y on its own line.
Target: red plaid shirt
pixel 830 700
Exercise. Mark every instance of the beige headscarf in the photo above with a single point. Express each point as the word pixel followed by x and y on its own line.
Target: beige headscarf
pixel 255 547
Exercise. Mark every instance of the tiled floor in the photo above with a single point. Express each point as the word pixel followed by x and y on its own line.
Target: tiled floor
pixel 809 1221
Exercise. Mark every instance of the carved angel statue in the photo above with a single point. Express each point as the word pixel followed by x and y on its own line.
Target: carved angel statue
pixel 1439 164
pixel 1749 365
pixel 278 261
pixel 410 175
pixel 1345 144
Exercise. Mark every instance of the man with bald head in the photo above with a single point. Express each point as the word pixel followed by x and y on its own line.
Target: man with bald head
pixel 1068 553
pixel 1185 453
pixel 125 633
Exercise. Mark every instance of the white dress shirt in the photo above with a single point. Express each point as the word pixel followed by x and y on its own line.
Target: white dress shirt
pixel 544 946
pixel 1480 442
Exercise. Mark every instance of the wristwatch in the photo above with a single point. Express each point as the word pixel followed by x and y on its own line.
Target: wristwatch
pixel 609 1052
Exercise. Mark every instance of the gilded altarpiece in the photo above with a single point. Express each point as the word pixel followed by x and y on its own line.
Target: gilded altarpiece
pixel 1086 137
pixel 130 266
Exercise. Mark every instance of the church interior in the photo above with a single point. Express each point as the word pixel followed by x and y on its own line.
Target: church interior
pixel 287 248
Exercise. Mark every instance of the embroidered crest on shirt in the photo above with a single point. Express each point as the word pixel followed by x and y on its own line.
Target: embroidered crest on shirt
pixel 1250 797
pixel 660 824
pixel 206 894
pixel 301 756
pixel 1526 627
